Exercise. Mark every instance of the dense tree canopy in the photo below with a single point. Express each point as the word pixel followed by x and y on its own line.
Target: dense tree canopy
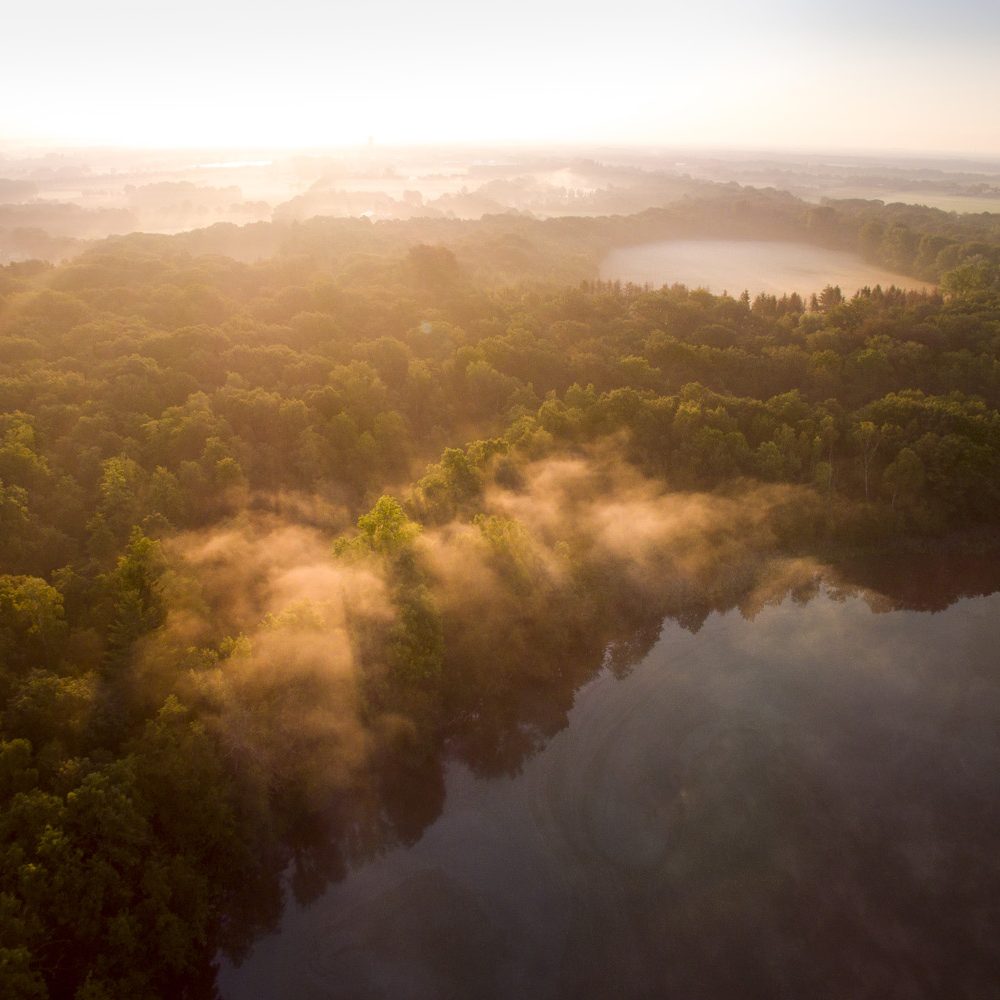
pixel 154 391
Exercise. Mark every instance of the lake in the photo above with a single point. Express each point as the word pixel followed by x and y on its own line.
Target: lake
pixel 771 266
pixel 804 804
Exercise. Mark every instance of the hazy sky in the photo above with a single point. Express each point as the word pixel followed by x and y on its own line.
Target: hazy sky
pixel 914 75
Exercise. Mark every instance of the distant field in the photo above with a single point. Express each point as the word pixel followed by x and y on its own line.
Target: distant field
pixel 946 202
pixel 755 265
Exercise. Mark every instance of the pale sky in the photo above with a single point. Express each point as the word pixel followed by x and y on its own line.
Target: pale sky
pixel 858 75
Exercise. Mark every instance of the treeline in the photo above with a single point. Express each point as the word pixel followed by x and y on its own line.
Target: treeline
pixel 912 240
pixel 507 248
pixel 158 407
pixel 167 391
pixel 924 242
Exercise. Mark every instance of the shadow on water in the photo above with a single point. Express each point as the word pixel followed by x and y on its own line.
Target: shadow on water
pixel 748 795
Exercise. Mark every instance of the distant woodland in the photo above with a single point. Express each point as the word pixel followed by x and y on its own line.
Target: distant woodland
pixel 287 508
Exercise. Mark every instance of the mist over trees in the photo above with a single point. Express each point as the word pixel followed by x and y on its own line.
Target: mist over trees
pixel 286 508
pixel 52 205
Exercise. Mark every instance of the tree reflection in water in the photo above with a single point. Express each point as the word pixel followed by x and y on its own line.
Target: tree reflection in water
pixel 797 799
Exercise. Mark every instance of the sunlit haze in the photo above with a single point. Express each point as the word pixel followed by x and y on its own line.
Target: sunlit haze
pixel 919 76
pixel 499 500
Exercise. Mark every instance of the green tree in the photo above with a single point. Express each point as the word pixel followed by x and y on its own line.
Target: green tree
pixel 32 624
pixel 385 529
pixel 868 438
pixel 903 479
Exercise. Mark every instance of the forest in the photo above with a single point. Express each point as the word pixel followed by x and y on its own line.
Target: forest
pixel 290 511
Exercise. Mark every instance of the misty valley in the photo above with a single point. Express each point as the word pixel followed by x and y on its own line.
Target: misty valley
pixel 570 578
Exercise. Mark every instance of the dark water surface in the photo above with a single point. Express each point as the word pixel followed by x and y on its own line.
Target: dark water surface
pixel 802 805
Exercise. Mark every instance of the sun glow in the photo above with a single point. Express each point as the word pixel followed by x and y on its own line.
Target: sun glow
pixel 240 76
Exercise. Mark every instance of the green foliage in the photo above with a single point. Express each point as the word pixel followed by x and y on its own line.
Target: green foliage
pixel 135 603
pixel 32 627
pixel 452 484
pixel 153 387
pixel 385 530
pixel 417 642
pixel 975 278
pixel 512 551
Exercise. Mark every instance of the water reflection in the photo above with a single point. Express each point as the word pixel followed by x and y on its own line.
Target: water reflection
pixel 801 804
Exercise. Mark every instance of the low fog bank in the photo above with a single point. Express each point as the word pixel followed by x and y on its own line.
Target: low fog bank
pixel 317 658
pixel 324 666
pixel 53 201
